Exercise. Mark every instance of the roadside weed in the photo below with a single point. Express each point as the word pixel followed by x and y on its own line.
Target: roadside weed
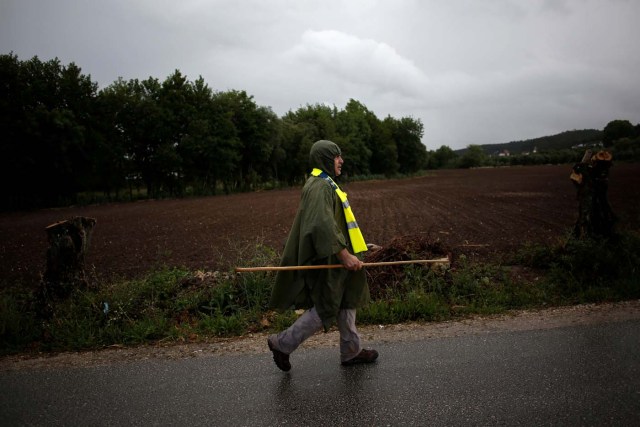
pixel 174 304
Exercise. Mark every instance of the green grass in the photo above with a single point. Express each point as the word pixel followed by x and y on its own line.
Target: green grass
pixel 176 305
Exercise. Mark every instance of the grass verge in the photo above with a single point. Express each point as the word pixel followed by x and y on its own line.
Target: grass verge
pixel 176 305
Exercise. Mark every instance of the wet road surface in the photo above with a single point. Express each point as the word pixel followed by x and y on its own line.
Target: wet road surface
pixel 579 375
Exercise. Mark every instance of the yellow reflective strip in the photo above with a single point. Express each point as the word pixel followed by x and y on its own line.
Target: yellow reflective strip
pixel 349 216
pixel 357 241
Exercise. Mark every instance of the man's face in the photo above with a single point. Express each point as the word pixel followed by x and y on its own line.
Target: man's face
pixel 337 165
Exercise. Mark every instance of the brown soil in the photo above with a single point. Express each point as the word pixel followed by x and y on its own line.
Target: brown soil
pixel 478 212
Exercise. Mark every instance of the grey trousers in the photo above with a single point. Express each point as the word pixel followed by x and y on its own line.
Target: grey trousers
pixel 309 323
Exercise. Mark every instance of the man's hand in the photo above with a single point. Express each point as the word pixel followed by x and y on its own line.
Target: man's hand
pixel 350 262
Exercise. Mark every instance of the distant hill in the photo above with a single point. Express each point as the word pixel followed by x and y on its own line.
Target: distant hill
pixel 560 141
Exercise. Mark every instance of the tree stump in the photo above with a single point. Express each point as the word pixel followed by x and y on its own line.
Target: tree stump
pixel 68 246
pixel 591 179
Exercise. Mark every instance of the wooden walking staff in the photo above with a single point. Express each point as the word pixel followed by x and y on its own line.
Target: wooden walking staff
pixel 326 266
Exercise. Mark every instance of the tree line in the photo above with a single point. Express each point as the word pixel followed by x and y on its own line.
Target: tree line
pixel 62 137
pixel 619 137
pixel 67 142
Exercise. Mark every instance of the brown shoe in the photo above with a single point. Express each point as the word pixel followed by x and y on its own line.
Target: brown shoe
pixel 281 359
pixel 365 356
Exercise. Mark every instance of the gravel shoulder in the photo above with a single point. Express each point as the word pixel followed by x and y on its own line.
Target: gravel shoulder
pixel 256 343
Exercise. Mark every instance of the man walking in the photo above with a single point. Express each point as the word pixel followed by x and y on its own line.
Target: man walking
pixel 324 231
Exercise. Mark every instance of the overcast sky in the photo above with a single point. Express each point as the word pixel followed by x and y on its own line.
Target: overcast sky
pixel 473 71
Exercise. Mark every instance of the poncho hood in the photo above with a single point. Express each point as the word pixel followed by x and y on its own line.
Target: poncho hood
pixel 322 156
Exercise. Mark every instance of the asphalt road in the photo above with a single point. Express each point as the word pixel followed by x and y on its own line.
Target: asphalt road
pixel 579 375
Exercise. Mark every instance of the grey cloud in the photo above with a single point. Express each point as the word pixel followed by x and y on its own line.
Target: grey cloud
pixel 361 62
pixel 473 71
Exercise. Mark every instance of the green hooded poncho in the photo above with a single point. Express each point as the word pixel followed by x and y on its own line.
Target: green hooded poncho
pixel 318 233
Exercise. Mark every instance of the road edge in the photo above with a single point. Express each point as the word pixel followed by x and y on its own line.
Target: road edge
pixel 517 320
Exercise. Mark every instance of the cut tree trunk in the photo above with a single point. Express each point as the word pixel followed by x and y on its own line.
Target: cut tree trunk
pixel 591 179
pixel 68 246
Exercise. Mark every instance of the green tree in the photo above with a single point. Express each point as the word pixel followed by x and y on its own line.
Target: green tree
pixel 442 157
pixel 317 121
pixel 617 129
pixel 16 125
pixel 473 157
pixel 354 137
pixel 407 134
pixel 112 168
pixel 384 152
pixel 142 120
pixel 176 109
pixel 300 129
pixel 46 111
pixel 257 130
pixel 208 147
pixel 291 161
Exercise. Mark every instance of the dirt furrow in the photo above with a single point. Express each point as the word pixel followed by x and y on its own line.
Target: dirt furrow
pixel 496 210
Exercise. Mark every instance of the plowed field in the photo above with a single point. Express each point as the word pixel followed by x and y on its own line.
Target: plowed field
pixel 478 212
